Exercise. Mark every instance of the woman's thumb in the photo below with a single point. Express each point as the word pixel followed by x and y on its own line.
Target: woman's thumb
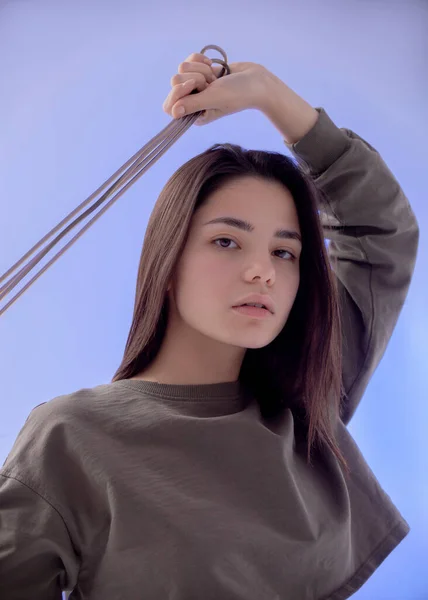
pixel 191 104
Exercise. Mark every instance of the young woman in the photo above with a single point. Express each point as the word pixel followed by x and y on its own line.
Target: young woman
pixel 217 462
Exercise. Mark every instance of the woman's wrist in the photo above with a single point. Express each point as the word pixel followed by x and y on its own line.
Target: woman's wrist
pixel 292 116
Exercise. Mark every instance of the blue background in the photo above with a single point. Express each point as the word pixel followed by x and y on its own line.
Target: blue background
pixel 81 90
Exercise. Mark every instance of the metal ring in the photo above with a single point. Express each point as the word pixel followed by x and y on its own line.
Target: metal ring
pixel 226 68
pixel 214 47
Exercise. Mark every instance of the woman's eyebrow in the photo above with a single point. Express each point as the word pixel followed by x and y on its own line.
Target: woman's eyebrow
pixel 284 234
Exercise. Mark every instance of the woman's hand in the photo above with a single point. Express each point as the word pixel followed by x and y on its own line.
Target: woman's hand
pixel 245 87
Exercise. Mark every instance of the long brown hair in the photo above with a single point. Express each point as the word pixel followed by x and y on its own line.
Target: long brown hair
pixel 302 366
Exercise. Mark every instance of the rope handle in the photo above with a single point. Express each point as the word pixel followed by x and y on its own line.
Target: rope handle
pixel 135 167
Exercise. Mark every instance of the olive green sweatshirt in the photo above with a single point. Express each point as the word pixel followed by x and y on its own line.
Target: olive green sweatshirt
pixel 136 489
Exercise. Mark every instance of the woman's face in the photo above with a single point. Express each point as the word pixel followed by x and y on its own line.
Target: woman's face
pixel 213 276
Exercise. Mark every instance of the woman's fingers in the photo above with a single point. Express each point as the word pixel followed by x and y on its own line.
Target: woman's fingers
pixel 197 67
pixel 198 57
pixel 180 78
pixel 183 89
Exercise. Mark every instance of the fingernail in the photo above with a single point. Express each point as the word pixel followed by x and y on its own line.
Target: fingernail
pixel 208 61
pixel 180 110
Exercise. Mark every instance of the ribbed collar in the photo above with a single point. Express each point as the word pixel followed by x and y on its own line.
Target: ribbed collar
pixel 230 393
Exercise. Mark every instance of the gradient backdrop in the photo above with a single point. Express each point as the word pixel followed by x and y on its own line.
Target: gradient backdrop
pixel 81 90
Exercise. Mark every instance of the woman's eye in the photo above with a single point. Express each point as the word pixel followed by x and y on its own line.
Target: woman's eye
pixel 229 240
pixel 222 240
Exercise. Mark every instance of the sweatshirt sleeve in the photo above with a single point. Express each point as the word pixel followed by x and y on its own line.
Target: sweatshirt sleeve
pixel 374 238
pixel 37 557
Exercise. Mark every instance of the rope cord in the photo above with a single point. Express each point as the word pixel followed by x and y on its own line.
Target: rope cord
pixel 122 180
